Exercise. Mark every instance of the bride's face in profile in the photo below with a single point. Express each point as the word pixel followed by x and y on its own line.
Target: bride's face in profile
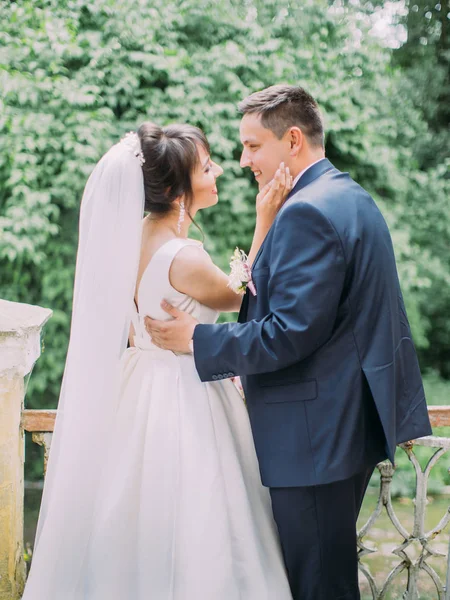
pixel 204 181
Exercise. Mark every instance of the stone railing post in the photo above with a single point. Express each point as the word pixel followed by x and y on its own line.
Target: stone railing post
pixel 20 347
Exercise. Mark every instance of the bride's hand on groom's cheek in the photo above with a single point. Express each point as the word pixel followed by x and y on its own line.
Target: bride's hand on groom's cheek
pixel 273 195
pixel 172 335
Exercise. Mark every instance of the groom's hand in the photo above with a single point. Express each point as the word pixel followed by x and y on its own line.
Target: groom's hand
pixel 172 335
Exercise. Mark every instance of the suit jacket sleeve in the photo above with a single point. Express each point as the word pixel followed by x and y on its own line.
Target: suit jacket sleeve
pixel 306 279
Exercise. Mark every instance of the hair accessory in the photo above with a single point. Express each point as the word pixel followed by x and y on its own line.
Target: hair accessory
pixel 132 142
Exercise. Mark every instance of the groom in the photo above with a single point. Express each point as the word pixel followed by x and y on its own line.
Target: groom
pixel 324 349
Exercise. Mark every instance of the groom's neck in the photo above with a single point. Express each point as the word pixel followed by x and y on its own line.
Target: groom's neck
pixel 306 159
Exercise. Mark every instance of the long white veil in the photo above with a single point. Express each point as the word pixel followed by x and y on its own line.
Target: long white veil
pixel 106 269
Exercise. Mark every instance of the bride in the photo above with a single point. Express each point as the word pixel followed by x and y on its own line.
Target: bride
pixel 152 490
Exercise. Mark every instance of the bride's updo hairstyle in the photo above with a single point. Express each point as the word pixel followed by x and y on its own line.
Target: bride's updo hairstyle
pixel 171 157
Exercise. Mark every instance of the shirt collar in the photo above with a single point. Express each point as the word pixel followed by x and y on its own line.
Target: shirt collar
pixel 294 183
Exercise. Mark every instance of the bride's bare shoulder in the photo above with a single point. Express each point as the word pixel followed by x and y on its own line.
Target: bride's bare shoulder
pixel 193 273
pixel 190 262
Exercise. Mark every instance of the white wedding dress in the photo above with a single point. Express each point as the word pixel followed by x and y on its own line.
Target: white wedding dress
pixel 182 513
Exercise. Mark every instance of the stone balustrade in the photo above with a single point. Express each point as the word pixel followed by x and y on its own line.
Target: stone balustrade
pixel 20 347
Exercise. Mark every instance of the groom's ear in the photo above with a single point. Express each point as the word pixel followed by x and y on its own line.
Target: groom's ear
pixel 296 140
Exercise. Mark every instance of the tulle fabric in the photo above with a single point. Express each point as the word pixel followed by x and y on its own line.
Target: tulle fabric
pixel 106 270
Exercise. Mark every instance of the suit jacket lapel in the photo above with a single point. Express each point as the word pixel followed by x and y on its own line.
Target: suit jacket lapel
pixel 242 318
pixel 311 175
pixel 308 177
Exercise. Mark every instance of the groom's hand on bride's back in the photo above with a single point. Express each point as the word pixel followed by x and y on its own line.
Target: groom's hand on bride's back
pixel 175 334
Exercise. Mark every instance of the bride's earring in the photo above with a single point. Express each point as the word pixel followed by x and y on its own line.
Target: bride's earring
pixel 181 217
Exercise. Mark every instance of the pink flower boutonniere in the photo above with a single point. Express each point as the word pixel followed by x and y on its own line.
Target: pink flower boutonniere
pixel 241 276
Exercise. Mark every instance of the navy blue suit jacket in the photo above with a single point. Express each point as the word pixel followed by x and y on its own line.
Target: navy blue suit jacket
pixel 329 369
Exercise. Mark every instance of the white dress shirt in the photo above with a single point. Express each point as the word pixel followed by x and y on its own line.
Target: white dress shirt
pixel 294 183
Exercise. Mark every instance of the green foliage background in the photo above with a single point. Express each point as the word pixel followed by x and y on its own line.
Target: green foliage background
pixel 76 75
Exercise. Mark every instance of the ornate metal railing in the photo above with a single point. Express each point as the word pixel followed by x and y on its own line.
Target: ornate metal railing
pixel 41 423
pixel 416 536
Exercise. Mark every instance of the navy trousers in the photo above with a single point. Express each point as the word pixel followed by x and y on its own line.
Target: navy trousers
pixel 317 527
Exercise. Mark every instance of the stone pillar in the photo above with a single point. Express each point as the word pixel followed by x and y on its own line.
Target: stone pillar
pixel 20 347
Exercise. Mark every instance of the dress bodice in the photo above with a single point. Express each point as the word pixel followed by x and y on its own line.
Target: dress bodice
pixel 155 287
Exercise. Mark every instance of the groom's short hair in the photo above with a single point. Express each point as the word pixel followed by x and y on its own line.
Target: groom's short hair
pixel 284 106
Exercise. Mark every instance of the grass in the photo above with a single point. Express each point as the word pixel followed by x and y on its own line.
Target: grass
pixel 437 390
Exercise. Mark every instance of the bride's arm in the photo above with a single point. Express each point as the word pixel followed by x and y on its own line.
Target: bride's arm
pixel 192 271
pixel 268 202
